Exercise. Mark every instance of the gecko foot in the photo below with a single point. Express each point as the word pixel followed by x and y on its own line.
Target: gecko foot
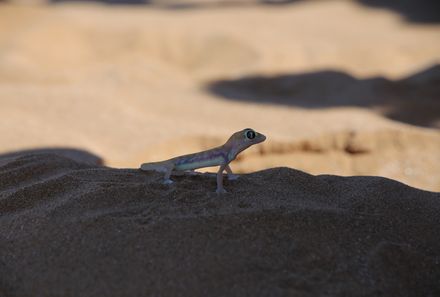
pixel 220 191
pixel 167 182
pixel 233 177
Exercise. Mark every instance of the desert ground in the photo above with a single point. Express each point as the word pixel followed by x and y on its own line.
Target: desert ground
pixel 74 228
pixel 342 199
pixel 338 87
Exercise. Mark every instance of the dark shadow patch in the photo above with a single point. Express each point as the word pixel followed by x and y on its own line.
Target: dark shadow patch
pixel 187 4
pixel 223 4
pixel 421 11
pixel 414 100
pixel 116 2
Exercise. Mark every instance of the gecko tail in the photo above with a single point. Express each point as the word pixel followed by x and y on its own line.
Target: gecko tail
pixel 155 166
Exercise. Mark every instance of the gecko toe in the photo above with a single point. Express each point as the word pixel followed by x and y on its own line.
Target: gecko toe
pixel 233 177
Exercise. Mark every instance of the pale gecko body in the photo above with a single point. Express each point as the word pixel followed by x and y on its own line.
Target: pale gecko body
pixel 219 156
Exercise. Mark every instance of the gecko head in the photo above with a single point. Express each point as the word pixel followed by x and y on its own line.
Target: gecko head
pixel 243 139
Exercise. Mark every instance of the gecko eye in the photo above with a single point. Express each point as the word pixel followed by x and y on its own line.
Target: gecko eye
pixel 250 134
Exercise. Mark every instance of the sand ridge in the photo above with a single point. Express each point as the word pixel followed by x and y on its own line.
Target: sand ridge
pixel 73 228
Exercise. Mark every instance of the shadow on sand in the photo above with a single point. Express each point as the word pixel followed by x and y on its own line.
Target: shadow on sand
pixel 187 4
pixel 106 1
pixel 77 155
pixel 414 100
pixel 423 11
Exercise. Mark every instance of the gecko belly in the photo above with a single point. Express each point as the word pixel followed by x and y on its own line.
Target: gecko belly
pixel 189 164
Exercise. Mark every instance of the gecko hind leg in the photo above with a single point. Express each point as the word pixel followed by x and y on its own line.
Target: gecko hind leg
pixel 166 179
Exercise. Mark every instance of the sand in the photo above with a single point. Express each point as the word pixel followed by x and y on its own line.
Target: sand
pixel 341 200
pixel 142 83
pixel 71 228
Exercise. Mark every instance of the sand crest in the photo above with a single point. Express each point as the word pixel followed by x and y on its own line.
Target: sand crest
pixel 70 228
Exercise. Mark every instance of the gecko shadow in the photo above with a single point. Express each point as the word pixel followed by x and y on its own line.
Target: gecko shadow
pixel 414 99
pixel 77 155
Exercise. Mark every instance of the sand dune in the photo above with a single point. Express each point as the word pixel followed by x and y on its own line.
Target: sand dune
pixel 337 87
pixel 69 228
pixel 131 84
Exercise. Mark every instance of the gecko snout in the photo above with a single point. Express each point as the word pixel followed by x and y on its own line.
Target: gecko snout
pixel 263 137
pixel 259 138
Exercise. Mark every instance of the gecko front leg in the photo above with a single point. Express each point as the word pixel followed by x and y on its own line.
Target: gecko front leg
pixel 220 189
pixel 231 175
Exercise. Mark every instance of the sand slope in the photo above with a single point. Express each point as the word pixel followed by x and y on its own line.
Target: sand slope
pixel 71 228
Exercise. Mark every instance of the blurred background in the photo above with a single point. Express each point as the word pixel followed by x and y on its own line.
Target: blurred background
pixel 348 87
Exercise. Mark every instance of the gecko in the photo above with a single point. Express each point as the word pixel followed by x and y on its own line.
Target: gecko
pixel 218 156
